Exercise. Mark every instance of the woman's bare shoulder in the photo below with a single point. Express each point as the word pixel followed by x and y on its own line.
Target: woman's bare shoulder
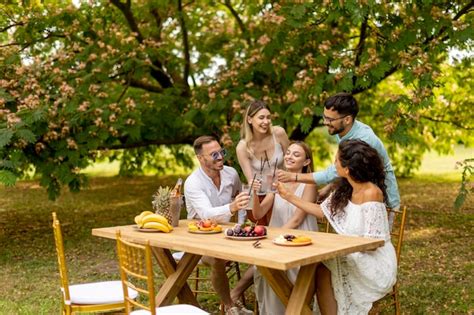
pixel 279 131
pixel 373 193
pixel 280 134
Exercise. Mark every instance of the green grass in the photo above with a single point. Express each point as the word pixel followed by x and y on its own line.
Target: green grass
pixel 436 272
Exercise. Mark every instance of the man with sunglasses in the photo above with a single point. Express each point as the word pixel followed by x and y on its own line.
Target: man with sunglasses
pixel 339 116
pixel 208 192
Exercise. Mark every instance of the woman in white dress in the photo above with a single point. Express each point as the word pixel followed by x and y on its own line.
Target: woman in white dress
pixel 297 159
pixel 350 284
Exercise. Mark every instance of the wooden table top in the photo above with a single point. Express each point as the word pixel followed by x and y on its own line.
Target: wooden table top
pixel 323 247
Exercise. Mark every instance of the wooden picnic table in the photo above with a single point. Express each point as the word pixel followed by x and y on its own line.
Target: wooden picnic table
pixel 272 260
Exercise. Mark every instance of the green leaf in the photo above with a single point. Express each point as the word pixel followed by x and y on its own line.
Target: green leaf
pixel 5 137
pixel 26 134
pixel 7 178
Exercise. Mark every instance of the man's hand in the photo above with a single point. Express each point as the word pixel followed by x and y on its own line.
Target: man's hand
pixel 285 177
pixel 241 201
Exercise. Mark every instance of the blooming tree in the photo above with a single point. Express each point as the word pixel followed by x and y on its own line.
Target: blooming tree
pixel 106 75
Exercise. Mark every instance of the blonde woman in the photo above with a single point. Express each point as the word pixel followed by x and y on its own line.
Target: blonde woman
pixel 259 141
pixel 298 159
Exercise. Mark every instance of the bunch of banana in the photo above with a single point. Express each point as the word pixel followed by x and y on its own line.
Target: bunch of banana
pixel 150 220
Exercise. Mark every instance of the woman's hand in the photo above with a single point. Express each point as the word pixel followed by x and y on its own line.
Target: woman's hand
pixel 257 184
pixel 284 193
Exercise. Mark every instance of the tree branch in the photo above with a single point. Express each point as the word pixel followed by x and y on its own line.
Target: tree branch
pixel 234 13
pixel 298 134
pixel 158 22
pixel 187 57
pixel 451 122
pixel 360 46
pixel 392 70
pixel 6 28
pixel 127 12
pixel 159 74
pixel 188 139
pixel 145 86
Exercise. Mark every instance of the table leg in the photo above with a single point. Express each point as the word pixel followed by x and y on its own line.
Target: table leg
pixel 303 291
pixel 176 276
pixel 295 298
pixel 279 282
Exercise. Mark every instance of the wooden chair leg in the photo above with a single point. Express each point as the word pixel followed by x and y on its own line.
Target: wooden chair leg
pixel 396 299
pixel 196 283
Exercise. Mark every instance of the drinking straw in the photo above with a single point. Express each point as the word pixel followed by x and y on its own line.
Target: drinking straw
pixel 275 168
pixel 262 165
pixel 266 159
pixel 251 186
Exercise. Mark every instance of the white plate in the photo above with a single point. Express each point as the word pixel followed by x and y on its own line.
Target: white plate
pixel 204 232
pixel 286 243
pixel 245 238
pixel 147 230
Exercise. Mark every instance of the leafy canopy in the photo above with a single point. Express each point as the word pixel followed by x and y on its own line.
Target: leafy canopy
pixel 109 75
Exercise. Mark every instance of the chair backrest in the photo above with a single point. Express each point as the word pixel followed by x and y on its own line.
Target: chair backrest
pixel 58 238
pixel 136 272
pixel 323 224
pixel 398 229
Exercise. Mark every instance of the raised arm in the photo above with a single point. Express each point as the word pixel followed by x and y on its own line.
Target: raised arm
pixel 260 209
pixel 287 177
pixel 310 195
pixel 282 137
pixel 244 160
pixel 306 206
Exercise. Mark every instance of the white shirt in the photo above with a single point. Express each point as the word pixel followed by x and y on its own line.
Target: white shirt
pixel 205 201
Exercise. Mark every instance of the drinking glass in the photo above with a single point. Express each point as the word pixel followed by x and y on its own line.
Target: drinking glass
pixel 272 181
pixel 246 188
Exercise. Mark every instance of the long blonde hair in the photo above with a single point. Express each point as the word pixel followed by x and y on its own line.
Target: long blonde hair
pixel 246 131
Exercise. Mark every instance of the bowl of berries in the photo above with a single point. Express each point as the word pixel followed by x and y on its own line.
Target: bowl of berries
pixel 246 232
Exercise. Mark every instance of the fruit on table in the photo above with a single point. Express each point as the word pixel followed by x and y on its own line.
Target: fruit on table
pixel 293 238
pixel 301 239
pixel 162 204
pixel 248 229
pixel 204 225
pixel 150 220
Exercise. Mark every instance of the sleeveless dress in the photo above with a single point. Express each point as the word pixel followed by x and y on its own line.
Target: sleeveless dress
pixel 276 158
pixel 268 301
pixel 361 278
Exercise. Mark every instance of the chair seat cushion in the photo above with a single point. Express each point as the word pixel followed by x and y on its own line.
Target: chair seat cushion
pixel 177 256
pixel 178 309
pixel 107 292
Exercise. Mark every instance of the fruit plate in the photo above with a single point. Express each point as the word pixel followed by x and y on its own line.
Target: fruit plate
pixel 286 243
pixel 245 238
pixel 204 232
pixel 147 230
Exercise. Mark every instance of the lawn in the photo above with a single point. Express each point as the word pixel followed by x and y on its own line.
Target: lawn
pixel 436 272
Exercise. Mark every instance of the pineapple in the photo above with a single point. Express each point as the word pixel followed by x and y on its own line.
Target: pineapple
pixel 161 203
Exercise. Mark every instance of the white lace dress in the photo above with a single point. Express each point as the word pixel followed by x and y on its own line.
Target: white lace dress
pixel 361 278
pixel 283 211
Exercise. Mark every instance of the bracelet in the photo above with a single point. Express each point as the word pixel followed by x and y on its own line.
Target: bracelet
pixel 296 177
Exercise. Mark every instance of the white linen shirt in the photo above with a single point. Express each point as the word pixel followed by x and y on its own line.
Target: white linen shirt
pixel 205 201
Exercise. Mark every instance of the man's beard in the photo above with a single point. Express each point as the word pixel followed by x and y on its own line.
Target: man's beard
pixel 334 131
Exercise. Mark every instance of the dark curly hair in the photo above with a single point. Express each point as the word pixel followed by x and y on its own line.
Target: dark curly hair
pixel 364 164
